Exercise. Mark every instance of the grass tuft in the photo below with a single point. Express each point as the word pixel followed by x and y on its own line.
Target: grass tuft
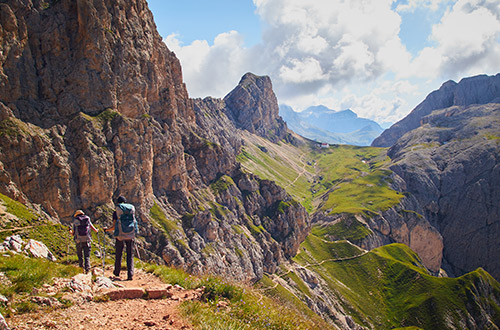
pixel 171 275
pixel 25 274
pixel 161 221
pixel 222 184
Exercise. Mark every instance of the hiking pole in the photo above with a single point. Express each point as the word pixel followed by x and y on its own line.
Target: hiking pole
pixel 103 253
pixel 103 250
pixel 68 241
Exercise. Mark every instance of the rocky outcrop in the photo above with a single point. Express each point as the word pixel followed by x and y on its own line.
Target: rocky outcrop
pixel 253 106
pixel 451 166
pixel 253 229
pixel 474 90
pixel 402 224
pixel 65 57
pixel 93 106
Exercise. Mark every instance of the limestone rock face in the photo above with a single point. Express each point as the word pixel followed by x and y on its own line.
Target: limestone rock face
pixel 399 224
pixel 86 56
pixel 253 106
pixel 93 106
pixel 451 166
pixel 474 90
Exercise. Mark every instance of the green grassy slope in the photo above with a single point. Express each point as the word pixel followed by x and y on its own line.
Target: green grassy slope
pixel 287 165
pixel 388 287
pixel 340 179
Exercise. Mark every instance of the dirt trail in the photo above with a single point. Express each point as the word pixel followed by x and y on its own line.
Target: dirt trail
pixel 118 314
pixel 303 170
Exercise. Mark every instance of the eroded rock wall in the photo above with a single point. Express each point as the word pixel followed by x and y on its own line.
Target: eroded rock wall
pixel 93 106
pixel 451 166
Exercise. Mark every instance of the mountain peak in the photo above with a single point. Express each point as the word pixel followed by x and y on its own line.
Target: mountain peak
pixel 327 125
pixel 319 109
pixel 481 89
pixel 253 106
pixel 249 76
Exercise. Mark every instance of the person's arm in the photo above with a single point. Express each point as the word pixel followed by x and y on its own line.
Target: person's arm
pixel 111 228
pixel 72 228
pixel 93 228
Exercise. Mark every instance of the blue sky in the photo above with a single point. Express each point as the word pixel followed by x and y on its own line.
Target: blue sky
pixel 378 57
pixel 204 20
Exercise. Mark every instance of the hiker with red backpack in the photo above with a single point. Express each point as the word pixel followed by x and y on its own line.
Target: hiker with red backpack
pixel 82 235
pixel 125 228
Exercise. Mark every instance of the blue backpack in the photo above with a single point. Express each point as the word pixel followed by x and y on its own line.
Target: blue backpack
pixel 126 226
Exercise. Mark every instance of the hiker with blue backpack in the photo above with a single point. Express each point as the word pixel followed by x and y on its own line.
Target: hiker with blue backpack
pixel 124 230
pixel 82 235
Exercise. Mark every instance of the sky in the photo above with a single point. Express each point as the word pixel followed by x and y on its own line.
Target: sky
pixel 379 58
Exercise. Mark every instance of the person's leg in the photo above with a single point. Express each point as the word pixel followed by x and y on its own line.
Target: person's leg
pixel 86 254
pixel 118 257
pixel 130 259
pixel 79 253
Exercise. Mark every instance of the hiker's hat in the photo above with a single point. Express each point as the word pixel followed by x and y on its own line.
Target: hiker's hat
pixel 121 199
pixel 78 212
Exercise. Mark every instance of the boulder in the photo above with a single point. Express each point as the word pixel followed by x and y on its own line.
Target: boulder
pixel 14 243
pixel 39 250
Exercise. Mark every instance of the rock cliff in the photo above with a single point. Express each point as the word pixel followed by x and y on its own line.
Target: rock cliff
pixel 402 223
pixel 93 106
pixel 451 166
pixel 445 153
pixel 253 106
pixel 474 90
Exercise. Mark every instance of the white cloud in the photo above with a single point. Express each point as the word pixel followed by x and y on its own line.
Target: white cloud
pixel 385 101
pixel 467 42
pixel 212 70
pixel 466 30
pixel 347 53
pixel 308 70
pixel 354 58
pixel 342 41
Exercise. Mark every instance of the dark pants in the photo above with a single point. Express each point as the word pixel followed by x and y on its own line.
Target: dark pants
pixel 83 253
pixel 130 257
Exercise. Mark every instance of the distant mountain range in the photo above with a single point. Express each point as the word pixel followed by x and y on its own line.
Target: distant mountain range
pixel 322 124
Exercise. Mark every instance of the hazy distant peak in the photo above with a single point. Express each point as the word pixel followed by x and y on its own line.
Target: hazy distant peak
pixel 326 125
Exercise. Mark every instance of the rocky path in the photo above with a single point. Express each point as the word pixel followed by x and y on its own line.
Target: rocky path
pixel 122 311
